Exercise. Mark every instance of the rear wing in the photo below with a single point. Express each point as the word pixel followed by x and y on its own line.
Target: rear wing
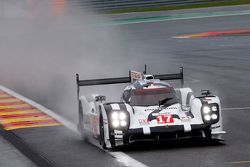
pixel 120 80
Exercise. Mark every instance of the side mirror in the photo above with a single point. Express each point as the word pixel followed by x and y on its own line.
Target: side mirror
pixel 100 98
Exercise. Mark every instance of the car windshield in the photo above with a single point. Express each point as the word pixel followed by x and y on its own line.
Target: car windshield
pixel 152 97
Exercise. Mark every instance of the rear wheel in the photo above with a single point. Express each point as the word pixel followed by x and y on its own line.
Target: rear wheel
pixel 102 138
pixel 80 125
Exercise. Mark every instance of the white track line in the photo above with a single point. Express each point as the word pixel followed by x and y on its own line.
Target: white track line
pixel 236 108
pixel 120 157
pixel 126 160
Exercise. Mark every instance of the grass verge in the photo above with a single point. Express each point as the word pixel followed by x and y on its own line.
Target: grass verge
pixel 177 7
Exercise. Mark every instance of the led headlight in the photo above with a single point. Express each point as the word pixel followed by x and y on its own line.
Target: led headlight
pixel 214 108
pixel 214 116
pixel 119 119
pixel 115 123
pixel 207 117
pixel 115 115
pixel 123 123
pixel 210 113
pixel 206 109
pixel 122 116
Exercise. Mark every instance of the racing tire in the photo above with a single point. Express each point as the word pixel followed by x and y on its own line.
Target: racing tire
pixel 112 142
pixel 126 140
pixel 102 138
pixel 209 139
pixel 81 126
pixel 208 133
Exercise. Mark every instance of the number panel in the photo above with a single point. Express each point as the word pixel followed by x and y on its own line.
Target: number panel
pixel 163 119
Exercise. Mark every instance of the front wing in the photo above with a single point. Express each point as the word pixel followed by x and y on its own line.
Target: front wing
pixel 160 133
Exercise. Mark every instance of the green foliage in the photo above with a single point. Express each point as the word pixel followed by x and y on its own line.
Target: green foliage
pixel 177 7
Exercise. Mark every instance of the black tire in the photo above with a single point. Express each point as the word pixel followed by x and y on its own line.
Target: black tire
pixel 208 133
pixel 112 142
pixel 81 126
pixel 101 138
pixel 126 140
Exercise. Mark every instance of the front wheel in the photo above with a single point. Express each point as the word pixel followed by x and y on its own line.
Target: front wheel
pixel 208 133
pixel 102 138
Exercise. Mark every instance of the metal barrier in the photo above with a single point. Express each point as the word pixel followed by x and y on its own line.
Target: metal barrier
pixel 126 4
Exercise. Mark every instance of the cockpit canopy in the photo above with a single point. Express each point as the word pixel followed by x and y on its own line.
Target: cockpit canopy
pixel 150 96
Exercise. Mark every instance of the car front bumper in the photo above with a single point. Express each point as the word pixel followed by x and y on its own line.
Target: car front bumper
pixel 160 133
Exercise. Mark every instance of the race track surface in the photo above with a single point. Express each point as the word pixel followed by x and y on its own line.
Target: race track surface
pixel 221 64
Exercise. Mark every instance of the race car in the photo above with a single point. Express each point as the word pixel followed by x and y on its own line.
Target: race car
pixel 150 109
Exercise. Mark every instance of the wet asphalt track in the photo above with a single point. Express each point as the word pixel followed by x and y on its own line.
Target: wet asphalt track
pixel 221 64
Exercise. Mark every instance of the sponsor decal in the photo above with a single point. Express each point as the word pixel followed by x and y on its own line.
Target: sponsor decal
pixel 215 127
pixel 185 118
pixel 165 113
pixel 154 114
pixel 143 121
pixel 171 108
pixel 149 109
pixel 135 75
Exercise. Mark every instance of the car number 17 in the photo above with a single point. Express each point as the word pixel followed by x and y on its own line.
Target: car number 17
pixel 162 119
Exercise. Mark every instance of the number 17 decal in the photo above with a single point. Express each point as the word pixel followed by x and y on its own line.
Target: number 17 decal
pixel 162 119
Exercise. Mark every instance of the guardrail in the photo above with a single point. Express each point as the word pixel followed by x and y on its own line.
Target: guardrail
pixel 105 5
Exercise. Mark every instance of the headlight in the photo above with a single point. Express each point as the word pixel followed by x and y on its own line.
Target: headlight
pixel 115 123
pixel 214 116
pixel 122 116
pixel 206 109
pixel 210 113
pixel 207 117
pixel 114 115
pixel 214 108
pixel 119 119
pixel 123 123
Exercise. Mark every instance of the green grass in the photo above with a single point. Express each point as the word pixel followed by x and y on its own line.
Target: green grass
pixel 177 7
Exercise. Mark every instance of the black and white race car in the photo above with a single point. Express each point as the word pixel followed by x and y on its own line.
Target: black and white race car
pixel 150 109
